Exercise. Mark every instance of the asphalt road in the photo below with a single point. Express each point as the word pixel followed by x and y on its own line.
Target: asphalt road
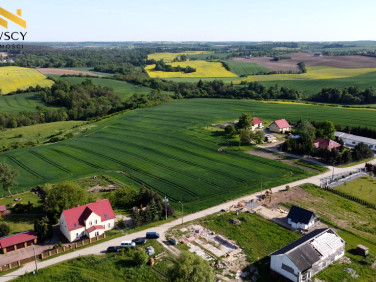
pixel 161 229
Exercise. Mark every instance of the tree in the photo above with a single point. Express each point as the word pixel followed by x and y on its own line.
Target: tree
pixel 4 229
pixel 63 196
pixel 245 121
pixel 245 136
pixel 139 257
pixel 306 131
pixel 230 130
pixel 7 177
pixel 259 136
pixel 326 130
pixel 190 267
pixel 43 227
pixel 123 198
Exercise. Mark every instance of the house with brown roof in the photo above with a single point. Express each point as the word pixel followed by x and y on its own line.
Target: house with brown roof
pixel 18 241
pixel 321 143
pixel 280 126
pixel 87 221
pixel 257 123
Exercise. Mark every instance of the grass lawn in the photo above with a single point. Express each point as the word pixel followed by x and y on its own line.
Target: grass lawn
pixel 363 188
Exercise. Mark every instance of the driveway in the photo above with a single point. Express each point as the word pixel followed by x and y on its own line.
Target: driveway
pixel 161 229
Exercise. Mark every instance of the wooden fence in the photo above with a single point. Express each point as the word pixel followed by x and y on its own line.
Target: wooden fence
pixel 51 252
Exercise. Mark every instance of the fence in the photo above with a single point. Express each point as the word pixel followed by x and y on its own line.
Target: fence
pixel 51 252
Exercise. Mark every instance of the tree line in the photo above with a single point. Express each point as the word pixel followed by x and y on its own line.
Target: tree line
pixel 162 66
pixel 349 95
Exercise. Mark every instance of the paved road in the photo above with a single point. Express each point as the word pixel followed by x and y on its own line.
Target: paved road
pixel 161 229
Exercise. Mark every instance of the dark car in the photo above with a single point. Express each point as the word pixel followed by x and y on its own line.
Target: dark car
pixel 113 249
pixel 139 241
pixel 152 235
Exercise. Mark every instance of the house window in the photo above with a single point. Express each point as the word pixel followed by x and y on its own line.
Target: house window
pixel 104 226
pixel 96 221
pixel 90 223
pixel 354 142
pixel 109 225
pixel 76 235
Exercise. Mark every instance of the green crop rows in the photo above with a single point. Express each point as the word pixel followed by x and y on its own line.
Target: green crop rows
pixel 20 102
pixel 168 149
pixel 243 68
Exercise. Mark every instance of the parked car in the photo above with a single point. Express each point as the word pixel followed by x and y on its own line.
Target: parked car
pixel 113 249
pixel 152 235
pixel 139 241
pixel 126 244
pixel 173 241
pixel 150 250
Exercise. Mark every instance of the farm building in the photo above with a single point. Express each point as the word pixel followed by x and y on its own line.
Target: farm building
pixel 87 221
pixel 280 126
pixel 322 143
pixel 362 250
pixel 3 210
pixel 351 140
pixel 257 123
pixel 305 257
pixel 18 241
pixel 299 218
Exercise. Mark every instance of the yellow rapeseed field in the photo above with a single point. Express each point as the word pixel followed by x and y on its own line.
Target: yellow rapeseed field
pixel 168 57
pixel 13 78
pixel 314 72
pixel 203 69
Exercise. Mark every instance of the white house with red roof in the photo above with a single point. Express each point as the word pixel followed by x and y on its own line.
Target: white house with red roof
pixel 280 126
pixel 257 123
pixel 89 220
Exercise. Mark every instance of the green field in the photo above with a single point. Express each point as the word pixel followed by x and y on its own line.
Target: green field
pixel 38 133
pixel 121 88
pixel 363 188
pixel 163 147
pixel 168 148
pixel 242 68
pixel 314 86
pixel 21 102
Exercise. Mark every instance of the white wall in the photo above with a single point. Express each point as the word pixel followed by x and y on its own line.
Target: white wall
pixel 276 265
pixel 91 219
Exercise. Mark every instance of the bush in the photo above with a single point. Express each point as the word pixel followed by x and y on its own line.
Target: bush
pixel 23 207
pixel 4 229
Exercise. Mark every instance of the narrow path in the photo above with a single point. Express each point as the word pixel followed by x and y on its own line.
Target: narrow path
pixel 161 229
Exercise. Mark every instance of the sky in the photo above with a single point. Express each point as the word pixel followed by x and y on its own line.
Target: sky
pixel 194 20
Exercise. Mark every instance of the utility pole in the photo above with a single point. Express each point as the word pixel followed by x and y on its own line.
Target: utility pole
pixel 165 201
pixel 333 172
pixel 182 212
pixel 35 258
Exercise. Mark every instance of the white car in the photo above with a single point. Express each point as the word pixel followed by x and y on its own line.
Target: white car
pixel 126 244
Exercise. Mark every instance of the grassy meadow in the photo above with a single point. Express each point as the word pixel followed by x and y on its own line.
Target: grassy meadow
pixel 203 69
pixel 121 88
pixel 13 78
pixel 37 133
pixel 168 57
pixel 363 188
pixel 21 102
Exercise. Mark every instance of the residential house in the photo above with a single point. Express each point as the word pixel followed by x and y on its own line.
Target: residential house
pixel 350 140
pixel 18 241
pixel 257 124
pixel 89 220
pixel 3 210
pixel 321 143
pixel 302 259
pixel 299 218
pixel 280 126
